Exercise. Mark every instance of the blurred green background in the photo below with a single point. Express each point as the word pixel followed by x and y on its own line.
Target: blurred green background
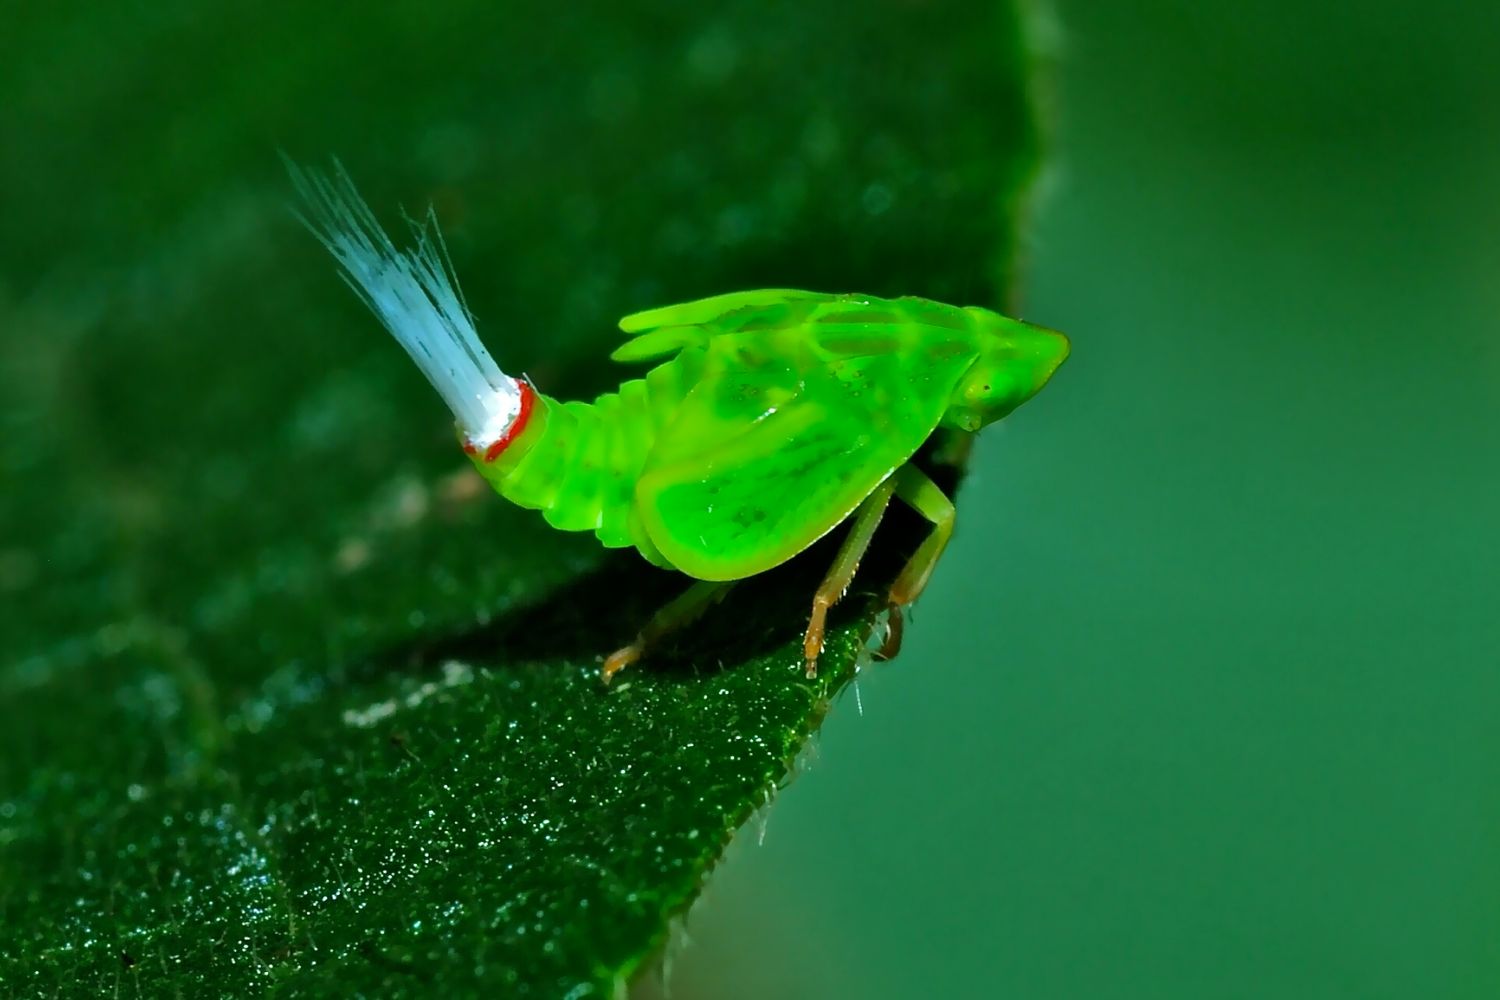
pixel 1205 702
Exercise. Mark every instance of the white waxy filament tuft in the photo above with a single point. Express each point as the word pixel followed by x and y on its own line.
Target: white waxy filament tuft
pixel 415 294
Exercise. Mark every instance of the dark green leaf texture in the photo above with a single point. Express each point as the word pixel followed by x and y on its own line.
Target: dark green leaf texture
pixel 288 702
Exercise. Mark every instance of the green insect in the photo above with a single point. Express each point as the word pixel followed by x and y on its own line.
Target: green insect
pixel 768 418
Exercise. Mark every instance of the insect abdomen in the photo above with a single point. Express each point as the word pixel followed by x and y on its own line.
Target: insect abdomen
pixel 578 463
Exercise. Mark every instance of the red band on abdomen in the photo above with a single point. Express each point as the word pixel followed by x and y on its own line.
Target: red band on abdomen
pixel 495 450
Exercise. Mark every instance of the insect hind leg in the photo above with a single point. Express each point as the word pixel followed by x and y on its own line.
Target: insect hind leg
pixel 678 613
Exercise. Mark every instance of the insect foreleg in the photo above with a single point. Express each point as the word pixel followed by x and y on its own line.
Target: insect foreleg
pixel 866 519
pixel 954 449
pixel 924 496
pixel 681 612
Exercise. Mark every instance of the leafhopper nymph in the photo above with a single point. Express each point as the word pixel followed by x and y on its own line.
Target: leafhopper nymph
pixel 767 419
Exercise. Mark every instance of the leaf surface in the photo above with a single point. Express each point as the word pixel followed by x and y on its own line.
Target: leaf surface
pixel 288 702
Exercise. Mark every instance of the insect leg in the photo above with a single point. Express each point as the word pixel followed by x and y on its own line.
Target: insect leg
pixel 680 612
pixel 913 486
pixel 895 630
pixel 866 518
pixel 954 449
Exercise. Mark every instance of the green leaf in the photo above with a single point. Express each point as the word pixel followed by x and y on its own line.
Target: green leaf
pixel 289 701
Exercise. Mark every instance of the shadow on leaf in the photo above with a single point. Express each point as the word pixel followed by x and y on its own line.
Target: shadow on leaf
pixel 596 613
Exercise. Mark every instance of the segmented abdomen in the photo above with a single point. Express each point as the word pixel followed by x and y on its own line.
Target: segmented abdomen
pixel 578 463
